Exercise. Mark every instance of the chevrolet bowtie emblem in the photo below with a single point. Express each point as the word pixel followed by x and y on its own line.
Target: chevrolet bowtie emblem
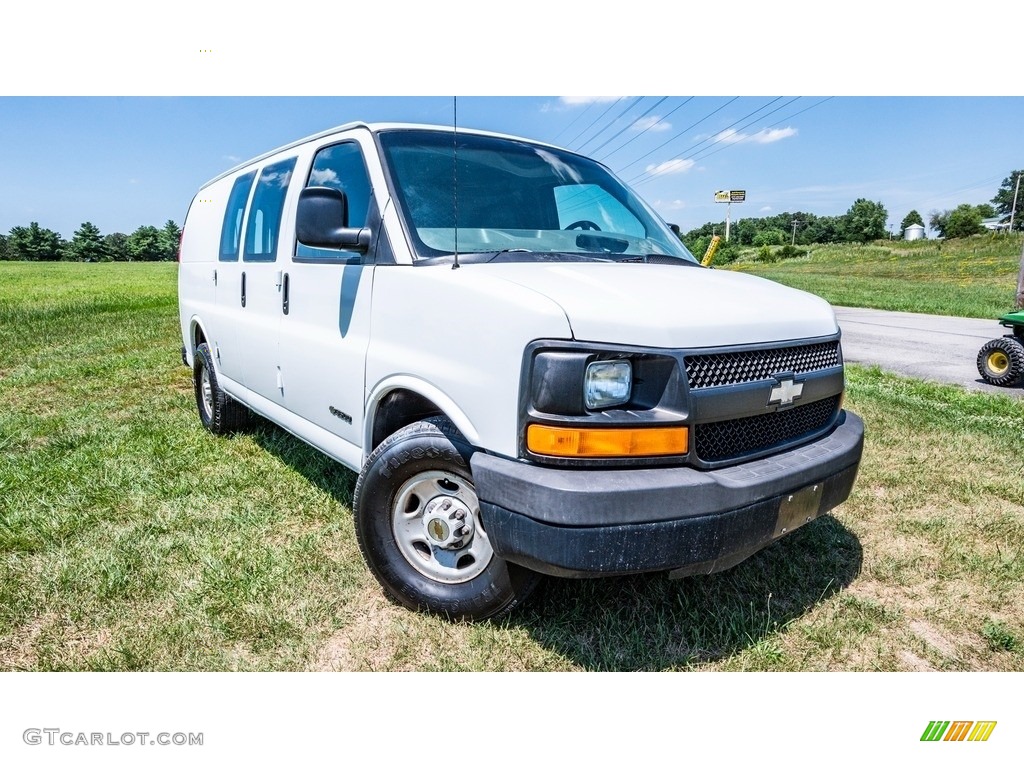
pixel 785 392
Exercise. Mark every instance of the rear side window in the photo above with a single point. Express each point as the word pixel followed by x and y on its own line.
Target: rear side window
pixel 264 222
pixel 231 230
pixel 340 167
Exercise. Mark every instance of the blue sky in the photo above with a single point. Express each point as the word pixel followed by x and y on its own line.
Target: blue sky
pixel 121 162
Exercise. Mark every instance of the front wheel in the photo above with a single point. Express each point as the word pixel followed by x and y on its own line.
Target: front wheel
pixel 1001 362
pixel 418 525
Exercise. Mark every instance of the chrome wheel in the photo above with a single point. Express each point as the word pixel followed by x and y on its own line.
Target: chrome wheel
pixel 435 520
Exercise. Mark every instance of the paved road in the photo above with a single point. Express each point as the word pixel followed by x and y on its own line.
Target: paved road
pixel 927 347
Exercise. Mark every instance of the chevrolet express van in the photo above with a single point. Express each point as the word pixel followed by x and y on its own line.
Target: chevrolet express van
pixel 525 366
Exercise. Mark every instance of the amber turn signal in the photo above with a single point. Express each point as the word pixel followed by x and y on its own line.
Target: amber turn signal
pixel 606 443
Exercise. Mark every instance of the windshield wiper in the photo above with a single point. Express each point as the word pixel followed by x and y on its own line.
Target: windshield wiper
pixel 507 250
pixel 658 258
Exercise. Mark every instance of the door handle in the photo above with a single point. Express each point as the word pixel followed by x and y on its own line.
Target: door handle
pixel 284 293
pixel 243 289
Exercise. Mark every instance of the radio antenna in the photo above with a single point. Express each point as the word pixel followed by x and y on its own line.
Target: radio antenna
pixel 455 175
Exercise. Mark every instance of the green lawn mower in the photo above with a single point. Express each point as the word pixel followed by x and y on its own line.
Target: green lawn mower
pixel 1001 361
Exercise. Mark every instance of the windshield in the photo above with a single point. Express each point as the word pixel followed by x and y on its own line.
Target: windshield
pixel 505 195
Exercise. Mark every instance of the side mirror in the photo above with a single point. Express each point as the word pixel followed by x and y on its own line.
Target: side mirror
pixel 322 221
pixel 675 228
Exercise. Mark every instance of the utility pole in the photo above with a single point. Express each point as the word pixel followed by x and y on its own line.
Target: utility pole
pixel 1020 274
pixel 1013 210
pixel 1020 277
pixel 795 222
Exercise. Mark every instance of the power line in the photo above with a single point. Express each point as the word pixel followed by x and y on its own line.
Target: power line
pixel 573 122
pixel 644 130
pixel 627 126
pixel 746 116
pixel 777 122
pixel 618 117
pixel 569 143
pixel 682 132
pixel 701 154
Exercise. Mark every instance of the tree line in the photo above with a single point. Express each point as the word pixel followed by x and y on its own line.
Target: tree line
pixel 863 222
pixel 36 243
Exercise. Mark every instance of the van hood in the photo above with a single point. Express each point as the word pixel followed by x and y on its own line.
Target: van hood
pixel 669 306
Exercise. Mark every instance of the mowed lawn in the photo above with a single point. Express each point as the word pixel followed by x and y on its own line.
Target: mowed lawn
pixel 968 277
pixel 131 539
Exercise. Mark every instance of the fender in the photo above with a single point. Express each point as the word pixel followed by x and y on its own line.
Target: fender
pixel 190 348
pixel 423 388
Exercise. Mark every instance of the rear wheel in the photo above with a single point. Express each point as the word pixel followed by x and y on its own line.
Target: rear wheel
pixel 1001 362
pixel 419 528
pixel 219 412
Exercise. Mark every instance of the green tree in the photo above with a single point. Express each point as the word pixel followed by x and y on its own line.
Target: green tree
pixel 86 244
pixel 144 244
pixel 986 211
pixel 170 236
pixel 865 221
pixel 116 246
pixel 3 248
pixel 911 218
pixel 963 221
pixel 823 229
pixel 1003 201
pixel 769 237
pixel 742 232
pixel 34 243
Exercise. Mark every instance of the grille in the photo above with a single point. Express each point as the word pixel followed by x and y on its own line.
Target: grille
pixel 724 368
pixel 728 439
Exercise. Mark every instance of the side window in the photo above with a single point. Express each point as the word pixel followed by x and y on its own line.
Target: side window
pixel 264 223
pixel 341 167
pixel 589 202
pixel 231 229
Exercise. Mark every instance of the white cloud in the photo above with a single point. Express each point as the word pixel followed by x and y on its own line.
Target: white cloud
pixel 651 124
pixel 670 166
pixel 764 209
pixel 576 101
pixel 232 159
pixel 669 205
pixel 730 136
pixel 766 136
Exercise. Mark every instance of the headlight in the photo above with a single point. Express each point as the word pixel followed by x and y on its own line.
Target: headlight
pixel 607 383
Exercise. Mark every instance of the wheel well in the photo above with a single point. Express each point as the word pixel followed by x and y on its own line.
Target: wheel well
pixel 198 337
pixel 398 409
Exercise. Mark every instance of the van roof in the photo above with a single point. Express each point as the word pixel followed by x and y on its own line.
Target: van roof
pixel 373 128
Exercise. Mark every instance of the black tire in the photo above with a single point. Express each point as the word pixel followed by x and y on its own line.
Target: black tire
pixel 413 497
pixel 219 412
pixel 1001 362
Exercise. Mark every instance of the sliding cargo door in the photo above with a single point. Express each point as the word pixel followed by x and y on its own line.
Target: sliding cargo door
pixel 260 280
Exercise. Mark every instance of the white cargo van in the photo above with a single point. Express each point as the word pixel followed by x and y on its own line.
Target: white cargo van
pixel 525 366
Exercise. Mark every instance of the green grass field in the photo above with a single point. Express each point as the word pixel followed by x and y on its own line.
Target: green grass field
pixel 131 539
pixel 972 277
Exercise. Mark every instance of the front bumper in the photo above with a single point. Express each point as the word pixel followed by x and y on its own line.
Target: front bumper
pixel 583 523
